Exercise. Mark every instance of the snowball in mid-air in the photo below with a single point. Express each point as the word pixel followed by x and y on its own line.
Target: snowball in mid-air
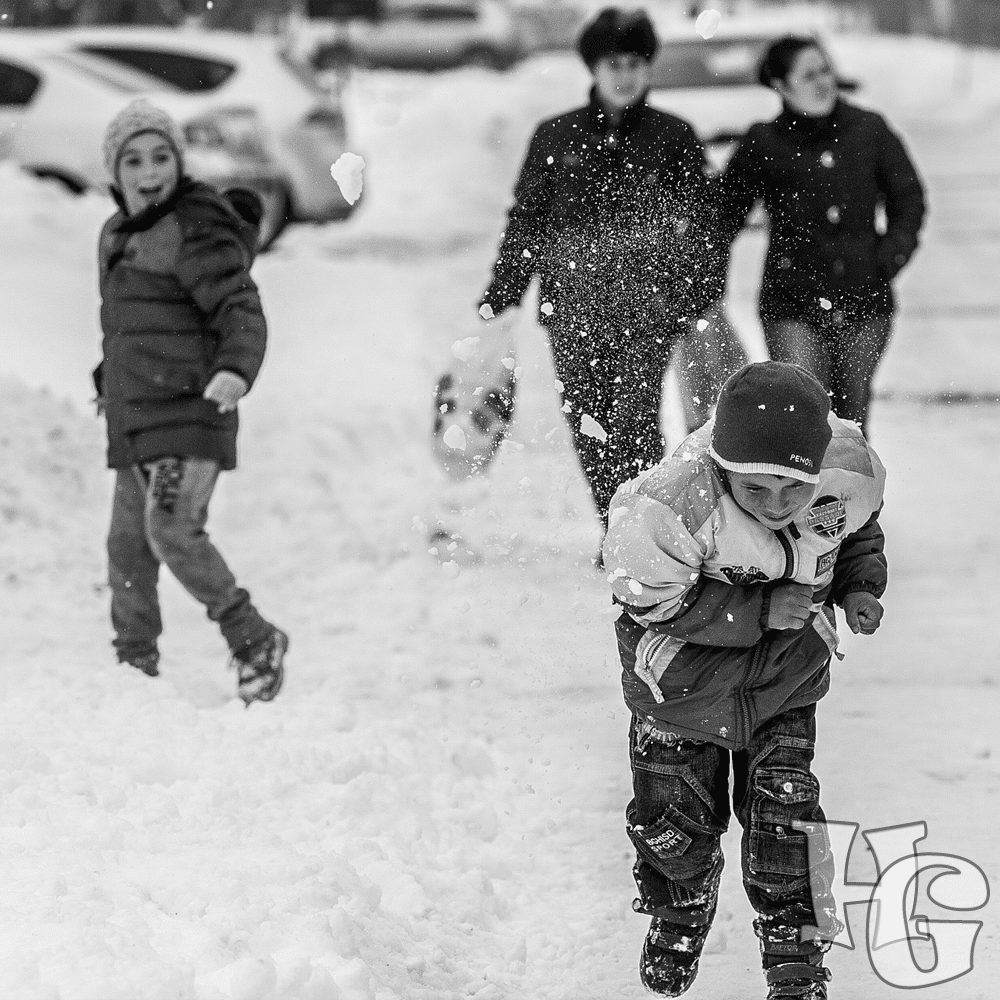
pixel 347 172
pixel 454 437
pixel 708 23
pixel 465 349
pixel 590 427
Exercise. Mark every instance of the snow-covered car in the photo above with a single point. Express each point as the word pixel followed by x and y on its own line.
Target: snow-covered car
pixel 55 106
pixel 421 34
pixel 253 97
pixel 712 82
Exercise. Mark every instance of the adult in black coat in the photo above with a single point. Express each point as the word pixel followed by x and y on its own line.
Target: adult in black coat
pixel 610 210
pixel 845 206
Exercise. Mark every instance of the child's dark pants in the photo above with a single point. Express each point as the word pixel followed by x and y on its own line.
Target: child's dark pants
pixel 158 515
pixel 681 809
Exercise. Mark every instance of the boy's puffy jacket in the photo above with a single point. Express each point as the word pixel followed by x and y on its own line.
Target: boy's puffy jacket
pixel 694 572
pixel 178 305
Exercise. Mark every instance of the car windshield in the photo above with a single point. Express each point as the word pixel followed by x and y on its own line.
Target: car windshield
pixel 121 78
pixel 183 70
pixel 719 62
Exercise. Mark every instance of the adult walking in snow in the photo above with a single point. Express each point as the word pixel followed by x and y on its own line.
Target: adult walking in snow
pixel 184 339
pixel 827 171
pixel 728 560
pixel 610 210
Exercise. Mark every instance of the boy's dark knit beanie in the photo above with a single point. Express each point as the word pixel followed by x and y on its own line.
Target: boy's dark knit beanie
pixel 135 118
pixel 614 31
pixel 772 418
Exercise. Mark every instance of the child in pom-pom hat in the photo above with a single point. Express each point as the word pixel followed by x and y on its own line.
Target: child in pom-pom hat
pixel 728 559
pixel 184 339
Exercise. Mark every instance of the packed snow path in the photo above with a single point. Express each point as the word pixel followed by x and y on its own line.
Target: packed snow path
pixel 432 809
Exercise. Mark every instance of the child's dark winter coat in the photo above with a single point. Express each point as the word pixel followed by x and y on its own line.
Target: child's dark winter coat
pixel 178 306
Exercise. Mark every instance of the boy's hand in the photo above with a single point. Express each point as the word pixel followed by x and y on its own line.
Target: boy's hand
pixel 226 389
pixel 791 604
pixel 863 612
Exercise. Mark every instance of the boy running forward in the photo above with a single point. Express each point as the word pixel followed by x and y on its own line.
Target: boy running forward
pixel 728 558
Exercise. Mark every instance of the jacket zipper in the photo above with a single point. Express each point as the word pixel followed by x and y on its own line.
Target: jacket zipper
pixel 743 701
pixel 786 546
pixel 756 664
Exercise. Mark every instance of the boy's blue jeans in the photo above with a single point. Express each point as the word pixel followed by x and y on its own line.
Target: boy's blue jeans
pixel 681 809
pixel 158 516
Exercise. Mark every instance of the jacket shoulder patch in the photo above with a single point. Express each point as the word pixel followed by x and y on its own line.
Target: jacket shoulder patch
pixel 827 516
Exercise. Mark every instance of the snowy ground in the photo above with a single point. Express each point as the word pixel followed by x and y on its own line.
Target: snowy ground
pixel 433 807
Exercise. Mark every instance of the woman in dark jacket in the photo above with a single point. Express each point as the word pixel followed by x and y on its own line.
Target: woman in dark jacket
pixel 610 211
pixel 184 339
pixel 827 171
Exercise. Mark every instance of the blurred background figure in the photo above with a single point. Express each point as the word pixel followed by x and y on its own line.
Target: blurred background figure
pixel 846 206
pixel 611 211
pixel 703 361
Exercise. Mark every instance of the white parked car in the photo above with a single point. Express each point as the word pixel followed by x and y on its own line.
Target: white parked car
pixel 712 83
pixel 247 106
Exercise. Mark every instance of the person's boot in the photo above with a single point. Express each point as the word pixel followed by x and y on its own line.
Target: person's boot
pixel 261 669
pixel 669 961
pixel 803 978
pixel 148 663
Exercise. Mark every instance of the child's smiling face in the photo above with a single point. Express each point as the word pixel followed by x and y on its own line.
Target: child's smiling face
pixel 775 501
pixel 148 171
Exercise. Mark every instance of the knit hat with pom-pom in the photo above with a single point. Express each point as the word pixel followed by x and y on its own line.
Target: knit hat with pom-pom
pixel 135 118
pixel 772 418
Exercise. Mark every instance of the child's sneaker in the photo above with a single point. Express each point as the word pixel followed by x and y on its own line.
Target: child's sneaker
pixel 669 961
pixel 148 663
pixel 804 980
pixel 261 669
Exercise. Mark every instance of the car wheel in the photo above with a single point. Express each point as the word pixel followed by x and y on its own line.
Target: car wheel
pixel 277 209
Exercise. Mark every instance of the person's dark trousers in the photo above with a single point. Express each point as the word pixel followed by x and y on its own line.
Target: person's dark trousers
pixel 611 394
pixel 843 357
pixel 158 516
pixel 681 809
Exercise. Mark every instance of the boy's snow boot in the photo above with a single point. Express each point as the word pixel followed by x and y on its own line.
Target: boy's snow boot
pixel 148 663
pixel 261 669
pixel 804 979
pixel 669 961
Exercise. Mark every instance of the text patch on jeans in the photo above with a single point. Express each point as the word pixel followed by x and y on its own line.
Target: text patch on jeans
pixel 664 839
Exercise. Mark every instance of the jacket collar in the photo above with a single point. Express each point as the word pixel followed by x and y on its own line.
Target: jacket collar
pixel 809 125
pixel 602 122
pixel 147 218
